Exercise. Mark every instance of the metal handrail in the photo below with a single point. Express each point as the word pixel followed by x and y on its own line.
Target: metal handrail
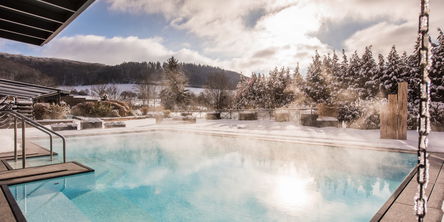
pixel 37 126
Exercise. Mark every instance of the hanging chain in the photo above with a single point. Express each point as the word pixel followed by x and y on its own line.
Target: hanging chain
pixel 424 116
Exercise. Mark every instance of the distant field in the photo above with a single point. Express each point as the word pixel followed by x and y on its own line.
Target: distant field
pixel 126 87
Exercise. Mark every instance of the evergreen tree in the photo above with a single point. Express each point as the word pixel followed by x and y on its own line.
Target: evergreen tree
pixel 298 84
pixel 335 74
pixel 405 73
pixel 392 73
pixel 367 86
pixel 252 95
pixel 282 92
pixel 316 83
pixel 413 75
pixel 342 75
pixel 174 95
pixel 260 98
pixel 381 70
pixel 240 96
pixel 298 80
pixel 352 77
pixel 437 70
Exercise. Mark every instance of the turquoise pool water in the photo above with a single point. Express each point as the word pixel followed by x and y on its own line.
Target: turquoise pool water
pixel 188 177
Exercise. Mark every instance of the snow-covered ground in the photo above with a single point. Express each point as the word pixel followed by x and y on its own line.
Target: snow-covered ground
pixel 264 129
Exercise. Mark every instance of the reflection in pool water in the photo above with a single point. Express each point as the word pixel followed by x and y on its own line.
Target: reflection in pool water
pixel 187 177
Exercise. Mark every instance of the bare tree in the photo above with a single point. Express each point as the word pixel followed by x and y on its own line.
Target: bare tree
pixel 217 91
pixel 146 90
pixel 128 96
pixel 108 91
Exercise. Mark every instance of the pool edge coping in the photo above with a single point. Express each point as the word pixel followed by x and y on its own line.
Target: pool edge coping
pixel 391 200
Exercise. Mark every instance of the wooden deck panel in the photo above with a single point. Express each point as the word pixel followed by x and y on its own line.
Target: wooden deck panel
pixel 29 174
pixel 32 150
pixel 3 166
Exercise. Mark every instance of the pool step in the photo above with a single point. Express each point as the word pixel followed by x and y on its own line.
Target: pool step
pixel 17 176
pixel 48 205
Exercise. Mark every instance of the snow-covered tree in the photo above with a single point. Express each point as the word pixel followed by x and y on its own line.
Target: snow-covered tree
pixel 298 85
pixel 240 99
pixel 342 76
pixel 174 95
pixel 352 77
pixel 281 91
pixel 316 84
pixel 298 80
pixel 437 70
pixel 381 70
pixel 367 84
pixel 392 73
pixel 336 72
pixel 270 92
pixel 412 75
pixel 275 89
pixel 259 97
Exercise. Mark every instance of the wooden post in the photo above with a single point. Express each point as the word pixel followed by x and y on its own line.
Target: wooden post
pixel 383 124
pixel 402 111
pixel 394 116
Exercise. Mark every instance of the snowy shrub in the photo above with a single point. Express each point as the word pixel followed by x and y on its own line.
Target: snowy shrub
pixel 144 110
pixel 348 112
pixel 91 109
pixel 373 121
pixel 120 107
pixel 361 114
pixel 50 111
pixel 101 109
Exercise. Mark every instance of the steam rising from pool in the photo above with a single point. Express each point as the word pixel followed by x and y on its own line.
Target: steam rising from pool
pixel 190 177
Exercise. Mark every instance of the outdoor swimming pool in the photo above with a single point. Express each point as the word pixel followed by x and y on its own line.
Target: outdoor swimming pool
pixel 187 177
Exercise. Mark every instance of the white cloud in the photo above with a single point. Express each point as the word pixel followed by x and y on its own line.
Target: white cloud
pixel 286 26
pixel 403 36
pixel 398 28
pixel 116 50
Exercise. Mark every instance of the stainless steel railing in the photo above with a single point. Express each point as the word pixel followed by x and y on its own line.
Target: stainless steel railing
pixel 25 120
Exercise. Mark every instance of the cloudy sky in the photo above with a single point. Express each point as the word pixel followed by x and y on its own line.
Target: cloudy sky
pixel 241 35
